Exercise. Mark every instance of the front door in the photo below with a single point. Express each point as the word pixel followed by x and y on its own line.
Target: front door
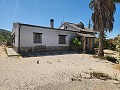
pixel 90 43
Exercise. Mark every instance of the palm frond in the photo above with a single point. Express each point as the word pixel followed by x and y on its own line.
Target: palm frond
pixel 116 1
pixel 91 4
pixel 103 15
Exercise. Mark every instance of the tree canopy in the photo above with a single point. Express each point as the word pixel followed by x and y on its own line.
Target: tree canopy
pixel 103 18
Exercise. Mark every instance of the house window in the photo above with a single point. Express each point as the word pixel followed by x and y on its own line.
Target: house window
pixel 37 37
pixel 66 27
pixel 62 39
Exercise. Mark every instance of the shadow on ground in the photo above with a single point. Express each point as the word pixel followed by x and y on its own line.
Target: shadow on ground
pixel 25 55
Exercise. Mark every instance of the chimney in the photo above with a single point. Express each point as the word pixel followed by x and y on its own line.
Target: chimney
pixel 51 23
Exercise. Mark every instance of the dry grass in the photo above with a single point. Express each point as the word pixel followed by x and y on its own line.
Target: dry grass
pixel 100 75
pixel 117 67
pixel 92 75
pixel 108 58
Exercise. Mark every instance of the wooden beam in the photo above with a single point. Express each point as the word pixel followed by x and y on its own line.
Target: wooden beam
pixel 84 44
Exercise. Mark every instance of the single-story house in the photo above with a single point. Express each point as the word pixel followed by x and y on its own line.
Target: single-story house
pixel 32 38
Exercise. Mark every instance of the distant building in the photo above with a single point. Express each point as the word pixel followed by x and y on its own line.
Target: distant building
pixel 32 38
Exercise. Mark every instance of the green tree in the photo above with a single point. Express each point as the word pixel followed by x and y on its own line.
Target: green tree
pixel 117 43
pixel 103 18
pixel 5 36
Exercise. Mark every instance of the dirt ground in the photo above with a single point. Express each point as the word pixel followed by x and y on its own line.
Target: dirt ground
pixel 57 72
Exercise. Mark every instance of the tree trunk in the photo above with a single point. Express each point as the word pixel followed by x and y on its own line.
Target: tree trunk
pixel 101 35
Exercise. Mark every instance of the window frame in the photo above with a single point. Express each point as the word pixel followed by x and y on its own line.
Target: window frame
pixel 64 39
pixel 40 38
pixel 66 27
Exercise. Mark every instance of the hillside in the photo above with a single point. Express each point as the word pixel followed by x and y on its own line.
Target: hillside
pixel 5 35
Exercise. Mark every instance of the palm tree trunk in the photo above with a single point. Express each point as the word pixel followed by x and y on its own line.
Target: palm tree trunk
pixel 101 52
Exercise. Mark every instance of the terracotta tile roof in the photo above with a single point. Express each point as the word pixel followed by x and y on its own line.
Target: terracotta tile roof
pixel 22 24
pixel 86 35
pixel 80 29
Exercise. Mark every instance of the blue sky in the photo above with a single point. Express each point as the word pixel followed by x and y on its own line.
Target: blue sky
pixel 39 12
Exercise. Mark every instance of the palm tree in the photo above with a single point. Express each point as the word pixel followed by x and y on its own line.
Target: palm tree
pixel 103 18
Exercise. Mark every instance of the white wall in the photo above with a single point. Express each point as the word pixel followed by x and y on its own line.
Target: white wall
pixel 68 27
pixel 49 37
pixel 15 31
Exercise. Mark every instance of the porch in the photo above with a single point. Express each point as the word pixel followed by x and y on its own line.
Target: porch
pixel 87 41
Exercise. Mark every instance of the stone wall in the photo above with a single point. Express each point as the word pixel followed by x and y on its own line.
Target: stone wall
pixel 58 48
pixel 42 48
pixel 15 48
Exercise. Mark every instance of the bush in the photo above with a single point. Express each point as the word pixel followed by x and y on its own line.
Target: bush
pixel 75 43
pixel 118 46
pixel 111 46
pixel 8 44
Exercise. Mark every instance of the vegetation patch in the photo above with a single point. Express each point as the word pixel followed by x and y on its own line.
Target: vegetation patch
pixel 117 67
pixel 75 44
pixel 92 75
pixel 108 58
pixel 112 59
pixel 100 75
pixel 5 36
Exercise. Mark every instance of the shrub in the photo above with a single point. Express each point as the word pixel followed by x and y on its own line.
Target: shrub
pixel 118 46
pixel 8 44
pixel 111 46
pixel 117 43
pixel 75 43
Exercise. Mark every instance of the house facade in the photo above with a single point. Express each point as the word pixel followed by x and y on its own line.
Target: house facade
pixel 32 38
pixel 85 35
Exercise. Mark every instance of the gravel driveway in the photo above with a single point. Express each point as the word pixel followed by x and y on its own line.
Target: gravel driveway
pixel 57 72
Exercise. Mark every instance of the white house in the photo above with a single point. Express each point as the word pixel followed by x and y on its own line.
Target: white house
pixel 32 38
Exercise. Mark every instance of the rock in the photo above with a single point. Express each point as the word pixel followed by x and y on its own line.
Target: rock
pixel 85 76
pixel 37 61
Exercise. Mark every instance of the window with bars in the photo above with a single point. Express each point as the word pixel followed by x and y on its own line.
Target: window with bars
pixel 37 37
pixel 62 39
